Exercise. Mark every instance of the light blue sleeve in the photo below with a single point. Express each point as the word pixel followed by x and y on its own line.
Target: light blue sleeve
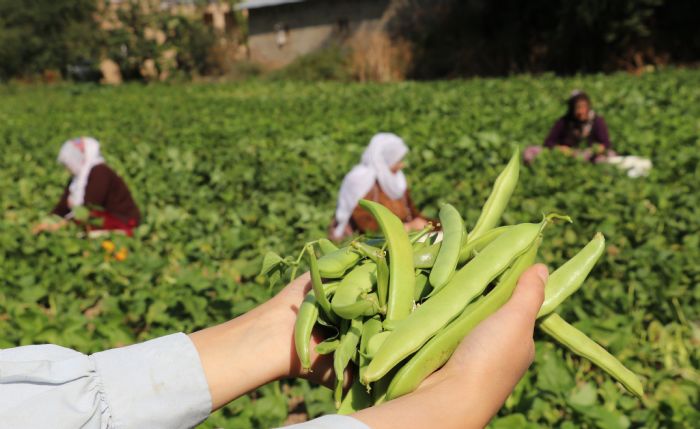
pixel 334 421
pixel 155 384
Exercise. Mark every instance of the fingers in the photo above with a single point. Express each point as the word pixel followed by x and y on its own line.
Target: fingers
pixel 529 294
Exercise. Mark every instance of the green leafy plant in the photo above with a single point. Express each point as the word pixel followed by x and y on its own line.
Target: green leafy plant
pixel 225 173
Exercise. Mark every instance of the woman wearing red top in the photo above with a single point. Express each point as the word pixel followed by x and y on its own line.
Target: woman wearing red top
pixel 95 186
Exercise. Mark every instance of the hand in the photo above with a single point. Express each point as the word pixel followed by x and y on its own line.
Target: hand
pixel 416 224
pixel 48 227
pixel 598 148
pixel 472 386
pixel 258 347
pixel 566 150
pixel 39 228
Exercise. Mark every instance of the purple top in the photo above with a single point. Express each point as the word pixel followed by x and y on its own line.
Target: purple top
pixel 566 133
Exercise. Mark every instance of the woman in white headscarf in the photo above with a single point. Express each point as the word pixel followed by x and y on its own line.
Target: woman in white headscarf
pixel 378 177
pixel 95 186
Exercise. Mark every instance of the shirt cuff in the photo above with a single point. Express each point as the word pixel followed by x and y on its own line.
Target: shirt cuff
pixel 334 421
pixel 156 384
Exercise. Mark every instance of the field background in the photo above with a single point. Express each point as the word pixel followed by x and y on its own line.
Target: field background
pixel 225 172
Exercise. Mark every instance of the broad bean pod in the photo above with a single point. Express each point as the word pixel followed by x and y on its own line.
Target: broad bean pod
pixel 344 353
pixel 566 279
pixel 333 265
pixel 351 296
pixel 378 256
pixel 470 281
pixel 498 199
pixel 576 341
pixel 448 255
pixel 303 326
pixel 425 257
pixel 327 247
pixel 438 350
pixel 317 285
pixel 401 276
pixel 370 328
pixel 356 399
pixel 327 346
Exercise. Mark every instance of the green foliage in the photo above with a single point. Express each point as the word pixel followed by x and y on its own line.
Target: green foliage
pixel 131 43
pixel 225 173
pixel 46 34
pixel 146 33
pixel 192 42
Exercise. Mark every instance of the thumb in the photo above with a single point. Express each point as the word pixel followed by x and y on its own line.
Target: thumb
pixel 528 295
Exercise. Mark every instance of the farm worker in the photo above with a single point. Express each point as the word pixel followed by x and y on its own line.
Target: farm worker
pixel 95 186
pixel 581 132
pixel 378 177
pixel 177 380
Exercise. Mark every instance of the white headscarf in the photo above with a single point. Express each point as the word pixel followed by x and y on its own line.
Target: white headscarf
pixel 384 150
pixel 79 155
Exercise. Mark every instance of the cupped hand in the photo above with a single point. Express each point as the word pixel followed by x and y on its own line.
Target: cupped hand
pixel 472 386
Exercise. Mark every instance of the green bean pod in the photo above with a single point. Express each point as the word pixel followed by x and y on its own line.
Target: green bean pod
pixel 471 247
pixel 425 257
pixel 448 255
pixel 375 342
pixel 401 275
pixel 364 306
pixel 378 256
pixel 317 284
pixel 327 346
pixel 356 399
pixel 327 247
pixel 303 326
pixel 344 353
pixel 352 296
pixel 576 341
pixel 498 199
pixel 333 265
pixel 438 350
pixel 469 282
pixel 380 387
pixel 422 286
pixel 568 278
pixel 370 328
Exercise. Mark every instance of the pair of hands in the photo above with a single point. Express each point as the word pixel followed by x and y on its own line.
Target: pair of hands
pixel 48 226
pixel 595 153
pixel 258 347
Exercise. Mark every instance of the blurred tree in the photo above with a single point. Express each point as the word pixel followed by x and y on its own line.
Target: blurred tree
pixel 497 37
pixel 46 34
pixel 132 41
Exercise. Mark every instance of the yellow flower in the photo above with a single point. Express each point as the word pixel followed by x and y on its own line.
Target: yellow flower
pixel 108 246
pixel 121 254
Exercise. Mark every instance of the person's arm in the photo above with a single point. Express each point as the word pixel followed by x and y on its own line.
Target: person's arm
pixel 600 133
pixel 258 347
pixel 61 208
pixel 555 134
pixel 472 386
pixel 418 221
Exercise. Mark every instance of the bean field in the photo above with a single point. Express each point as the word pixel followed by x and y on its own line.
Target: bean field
pixel 224 173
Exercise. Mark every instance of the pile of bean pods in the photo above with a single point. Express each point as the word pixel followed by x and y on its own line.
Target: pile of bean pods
pixel 397 307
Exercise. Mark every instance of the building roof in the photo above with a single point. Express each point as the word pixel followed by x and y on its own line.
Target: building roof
pixel 256 4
